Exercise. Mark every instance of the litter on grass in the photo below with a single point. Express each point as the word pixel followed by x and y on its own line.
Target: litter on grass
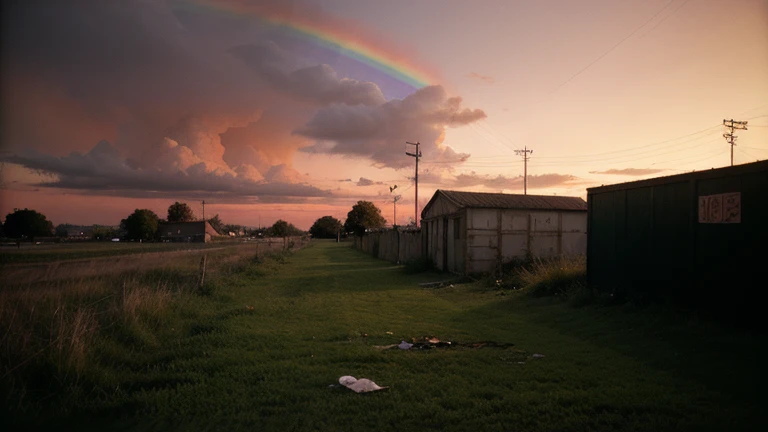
pixel 362 385
pixel 538 356
pixel 405 345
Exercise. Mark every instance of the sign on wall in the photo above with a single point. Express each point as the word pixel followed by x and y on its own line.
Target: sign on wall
pixel 720 208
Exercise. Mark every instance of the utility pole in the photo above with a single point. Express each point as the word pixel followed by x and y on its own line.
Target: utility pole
pixel 524 153
pixel 417 155
pixel 203 210
pixel 730 138
pixel 396 199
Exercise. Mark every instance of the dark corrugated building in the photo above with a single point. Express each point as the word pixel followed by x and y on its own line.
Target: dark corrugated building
pixel 695 239
pixel 474 232
pixel 196 231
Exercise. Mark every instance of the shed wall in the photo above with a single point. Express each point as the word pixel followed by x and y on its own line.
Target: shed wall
pixel 646 240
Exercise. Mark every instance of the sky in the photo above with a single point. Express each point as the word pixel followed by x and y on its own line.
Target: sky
pixel 297 109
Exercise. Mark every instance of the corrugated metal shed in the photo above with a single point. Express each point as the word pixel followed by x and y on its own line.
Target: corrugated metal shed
pixel 475 232
pixel 696 239
pixel 509 201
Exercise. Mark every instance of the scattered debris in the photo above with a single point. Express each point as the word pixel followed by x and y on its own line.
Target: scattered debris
pixel 390 333
pixel 362 385
pixel 436 284
pixel 384 347
pixel 538 356
pixel 430 342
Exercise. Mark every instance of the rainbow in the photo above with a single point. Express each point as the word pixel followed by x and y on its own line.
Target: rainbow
pixel 325 32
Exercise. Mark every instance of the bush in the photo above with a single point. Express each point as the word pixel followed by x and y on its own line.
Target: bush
pixel 559 276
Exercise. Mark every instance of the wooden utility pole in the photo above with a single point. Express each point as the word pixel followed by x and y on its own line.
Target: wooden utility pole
pixel 730 138
pixel 417 155
pixel 394 202
pixel 525 153
pixel 203 210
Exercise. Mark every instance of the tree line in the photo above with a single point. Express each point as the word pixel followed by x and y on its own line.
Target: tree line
pixel 144 224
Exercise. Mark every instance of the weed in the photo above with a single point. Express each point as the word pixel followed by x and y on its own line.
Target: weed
pixel 553 277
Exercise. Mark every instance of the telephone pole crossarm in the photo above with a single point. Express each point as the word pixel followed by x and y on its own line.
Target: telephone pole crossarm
pixel 730 137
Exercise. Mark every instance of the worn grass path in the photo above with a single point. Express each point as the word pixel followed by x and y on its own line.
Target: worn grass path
pixel 223 366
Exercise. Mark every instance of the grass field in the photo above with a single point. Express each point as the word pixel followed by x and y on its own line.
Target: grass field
pixel 43 253
pixel 263 350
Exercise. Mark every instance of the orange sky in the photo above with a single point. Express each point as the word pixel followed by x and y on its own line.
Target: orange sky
pixel 595 88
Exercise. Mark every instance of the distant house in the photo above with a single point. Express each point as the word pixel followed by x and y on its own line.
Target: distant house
pixel 197 231
pixel 472 232
pixel 78 232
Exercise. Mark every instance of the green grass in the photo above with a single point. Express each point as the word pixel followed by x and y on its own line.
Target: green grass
pixel 32 253
pixel 260 352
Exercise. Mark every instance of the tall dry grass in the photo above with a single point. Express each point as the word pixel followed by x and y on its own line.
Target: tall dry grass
pixel 53 315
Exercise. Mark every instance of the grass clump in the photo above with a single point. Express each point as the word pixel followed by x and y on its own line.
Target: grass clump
pixel 554 277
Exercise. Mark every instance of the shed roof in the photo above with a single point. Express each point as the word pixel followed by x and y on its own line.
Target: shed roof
pixel 509 201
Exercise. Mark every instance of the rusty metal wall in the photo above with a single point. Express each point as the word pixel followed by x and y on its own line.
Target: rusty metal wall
pixel 694 239
pixel 498 236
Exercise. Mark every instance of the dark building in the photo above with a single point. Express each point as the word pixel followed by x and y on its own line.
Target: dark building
pixel 696 239
pixel 197 231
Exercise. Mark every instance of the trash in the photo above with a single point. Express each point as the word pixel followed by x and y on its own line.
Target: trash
pixel 433 340
pixel 436 284
pixel 537 356
pixel 389 333
pixel 384 347
pixel 362 385
pixel 405 345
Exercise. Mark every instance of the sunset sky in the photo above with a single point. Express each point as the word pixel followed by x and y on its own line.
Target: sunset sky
pixel 298 109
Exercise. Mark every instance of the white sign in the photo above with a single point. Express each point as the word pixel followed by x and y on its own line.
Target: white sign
pixel 720 208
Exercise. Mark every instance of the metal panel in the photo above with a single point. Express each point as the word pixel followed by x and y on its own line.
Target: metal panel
pixel 647 242
pixel 544 245
pixel 514 246
pixel 516 220
pixel 483 219
pixel 544 222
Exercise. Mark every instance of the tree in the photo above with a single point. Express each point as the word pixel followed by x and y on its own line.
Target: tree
pixel 141 225
pixel 363 216
pixel 180 212
pixel 27 223
pixel 280 228
pixel 62 230
pixel 325 227
pixel 216 223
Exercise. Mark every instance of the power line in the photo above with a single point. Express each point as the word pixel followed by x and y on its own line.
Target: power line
pixel 610 49
pixel 638 147
pixel 664 19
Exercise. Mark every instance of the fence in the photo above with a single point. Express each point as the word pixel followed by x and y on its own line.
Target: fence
pixel 395 246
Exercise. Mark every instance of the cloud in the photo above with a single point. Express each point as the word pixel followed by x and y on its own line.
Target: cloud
pixel 629 171
pixel 193 103
pixel 319 84
pixel 375 131
pixel 368 182
pixel 484 78
pixel 177 171
pixel 497 182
